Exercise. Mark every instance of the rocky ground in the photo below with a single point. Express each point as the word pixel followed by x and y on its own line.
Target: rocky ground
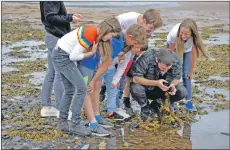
pixel 24 64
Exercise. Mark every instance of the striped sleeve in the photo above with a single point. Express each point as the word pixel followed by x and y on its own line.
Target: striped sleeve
pixel 87 35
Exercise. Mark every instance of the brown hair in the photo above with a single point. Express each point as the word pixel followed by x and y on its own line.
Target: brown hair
pixel 197 41
pixel 153 16
pixel 138 34
pixel 107 26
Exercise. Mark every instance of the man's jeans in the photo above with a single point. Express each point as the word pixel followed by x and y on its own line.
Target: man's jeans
pixel 73 85
pixel 141 94
pixel 110 92
pixel 52 76
pixel 186 69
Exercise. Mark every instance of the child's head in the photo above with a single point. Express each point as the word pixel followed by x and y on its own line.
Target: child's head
pixel 152 20
pixel 135 36
pixel 108 28
pixel 188 29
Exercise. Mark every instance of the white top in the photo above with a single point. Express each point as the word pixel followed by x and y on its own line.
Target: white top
pixel 171 38
pixel 121 67
pixel 127 19
pixel 70 44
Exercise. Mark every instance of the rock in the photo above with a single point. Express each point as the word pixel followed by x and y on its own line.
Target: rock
pixel 70 140
pixel 63 147
pixel 7 126
pixel 48 127
pixel 16 138
pixel 85 146
pixel 112 143
pixel 4 133
pixel 5 106
pixel 102 145
pixel 77 142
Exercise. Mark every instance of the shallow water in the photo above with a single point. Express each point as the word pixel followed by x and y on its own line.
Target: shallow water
pixel 218 78
pixel 218 39
pixel 206 134
pixel 212 91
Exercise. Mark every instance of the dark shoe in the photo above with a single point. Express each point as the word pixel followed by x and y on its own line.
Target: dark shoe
pixel 155 106
pixel 79 129
pixel 145 113
pixel 102 92
pixel 115 116
pixel 128 107
pixel 63 126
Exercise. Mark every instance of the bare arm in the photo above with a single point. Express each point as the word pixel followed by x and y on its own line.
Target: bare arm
pixel 193 58
pixel 172 46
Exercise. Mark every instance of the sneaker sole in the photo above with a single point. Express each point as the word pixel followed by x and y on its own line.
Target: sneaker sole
pixel 48 115
pixel 101 135
pixel 106 126
pixel 78 134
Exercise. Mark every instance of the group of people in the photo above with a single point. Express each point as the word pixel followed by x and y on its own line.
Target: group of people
pixel 114 55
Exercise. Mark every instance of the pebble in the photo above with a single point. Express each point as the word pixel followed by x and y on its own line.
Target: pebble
pixel 85 146
pixel 4 133
pixel 16 138
pixel 5 106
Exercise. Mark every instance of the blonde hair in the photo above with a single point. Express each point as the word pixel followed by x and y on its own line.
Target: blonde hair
pixel 109 25
pixel 197 41
pixel 138 34
pixel 153 16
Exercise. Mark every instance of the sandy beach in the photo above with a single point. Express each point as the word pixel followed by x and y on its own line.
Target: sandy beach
pixel 24 66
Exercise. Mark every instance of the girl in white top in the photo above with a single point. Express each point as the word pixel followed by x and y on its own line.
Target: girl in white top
pixel 185 39
pixel 81 44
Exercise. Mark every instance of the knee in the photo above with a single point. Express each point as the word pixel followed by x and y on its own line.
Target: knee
pixel 181 91
pixel 69 91
pixel 136 89
pixel 81 89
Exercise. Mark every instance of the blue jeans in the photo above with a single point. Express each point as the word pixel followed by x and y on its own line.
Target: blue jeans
pixel 120 91
pixel 186 69
pixel 74 84
pixel 52 76
pixel 111 92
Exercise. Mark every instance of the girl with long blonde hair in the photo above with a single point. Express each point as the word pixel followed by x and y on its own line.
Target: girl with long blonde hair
pixel 185 39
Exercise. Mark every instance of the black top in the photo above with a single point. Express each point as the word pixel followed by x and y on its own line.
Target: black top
pixel 55 17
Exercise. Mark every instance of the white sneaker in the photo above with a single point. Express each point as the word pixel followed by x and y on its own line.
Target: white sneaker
pixel 49 111
pixel 69 116
pixel 122 113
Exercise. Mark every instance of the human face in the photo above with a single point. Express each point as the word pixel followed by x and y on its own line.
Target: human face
pixel 149 28
pixel 109 36
pixel 163 67
pixel 185 33
pixel 136 49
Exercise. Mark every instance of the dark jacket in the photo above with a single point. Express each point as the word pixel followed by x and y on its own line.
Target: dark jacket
pixel 55 18
pixel 146 67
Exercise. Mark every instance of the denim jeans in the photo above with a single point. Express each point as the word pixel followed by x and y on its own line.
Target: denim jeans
pixel 186 69
pixel 120 91
pixel 52 77
pixel 74 84
pixel 110 92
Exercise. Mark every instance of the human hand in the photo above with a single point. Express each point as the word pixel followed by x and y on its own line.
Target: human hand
pixel 76 18
pixel 173 89
pixel 160 84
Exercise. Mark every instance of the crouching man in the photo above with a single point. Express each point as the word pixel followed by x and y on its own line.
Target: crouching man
pixel 154 74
